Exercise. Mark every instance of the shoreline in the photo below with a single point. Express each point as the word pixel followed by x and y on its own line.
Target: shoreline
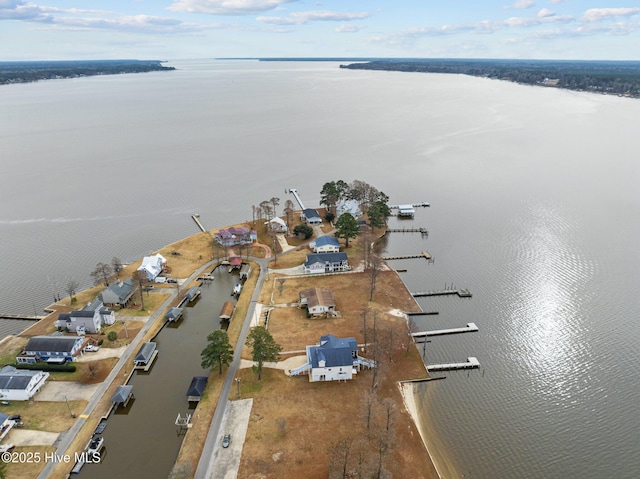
pixel 442 467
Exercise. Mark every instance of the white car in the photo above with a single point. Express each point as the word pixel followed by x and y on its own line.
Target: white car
pixel 91 348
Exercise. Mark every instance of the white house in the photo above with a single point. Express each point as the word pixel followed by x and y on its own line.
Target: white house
pixel 326 263
pixel 334 359
pixel 20 384
pixel 88 319
pixel 326 244
pixel 278 225
pixel 152 266
pixel 348 206
pixel 318 301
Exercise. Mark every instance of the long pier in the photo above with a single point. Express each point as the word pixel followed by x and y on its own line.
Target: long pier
pixel 420 230
pixel 469 328
pixel 196 218
pixel 424 254
pixel 422 313
pixel 21 316
pixel 424 204
pixel 463 293
pixel 472 363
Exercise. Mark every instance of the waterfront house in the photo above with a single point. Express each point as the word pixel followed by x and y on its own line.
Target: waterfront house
pixel 153 266
pixel 235 236
pixel 326 263
pixel 117 294
pixel 20 384
pixel 196 388
pixel 55 349
pixel 348 206
pixel 278 225
pixel 318 301
pixel 89 319
pixel 145 354
pixel 326 244
pixel 333 359
pixel 311 216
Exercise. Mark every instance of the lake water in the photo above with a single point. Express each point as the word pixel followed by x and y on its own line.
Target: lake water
pixel 534 209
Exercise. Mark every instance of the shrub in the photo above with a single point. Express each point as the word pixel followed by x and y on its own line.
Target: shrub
pixel 63 368
pixel 112 336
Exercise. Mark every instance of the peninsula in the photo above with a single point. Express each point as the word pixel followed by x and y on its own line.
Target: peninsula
pixel 25 72
pixel 607 77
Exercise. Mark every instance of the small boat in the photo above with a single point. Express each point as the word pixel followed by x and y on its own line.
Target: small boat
pixel 95 445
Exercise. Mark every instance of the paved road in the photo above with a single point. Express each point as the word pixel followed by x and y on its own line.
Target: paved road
pixel 208 458
pixel 65 438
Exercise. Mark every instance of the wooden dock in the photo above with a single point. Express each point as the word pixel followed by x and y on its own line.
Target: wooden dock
pixel 424 204
pixel 422 231
pixel 463 293
pixel 472 363
pixel 469 328
pixel 196 218
pixel 424 254
pixel 423 313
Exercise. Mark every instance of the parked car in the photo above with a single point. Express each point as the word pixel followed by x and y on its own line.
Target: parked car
pixel 91 348
pixel 171 280
pixel 226 440
pixel 15 417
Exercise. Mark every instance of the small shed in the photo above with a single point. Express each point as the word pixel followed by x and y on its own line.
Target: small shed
pixel 174 314
pixel 227 311
pixel 196 388
pixel 406 211
pixel 146 354
pixel 122 396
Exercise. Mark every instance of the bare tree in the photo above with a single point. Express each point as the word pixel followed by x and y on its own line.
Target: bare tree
pixel 71 288
pixel 101 274
pixel 339 457
pixel 266 208
pixel 140 281
pixel 288 211
pixel 274 202
pixel 373 267
pixel 117 266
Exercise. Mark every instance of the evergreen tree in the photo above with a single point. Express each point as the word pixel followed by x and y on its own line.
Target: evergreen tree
pixel 218 351
pixel 264 348
pixel 347 227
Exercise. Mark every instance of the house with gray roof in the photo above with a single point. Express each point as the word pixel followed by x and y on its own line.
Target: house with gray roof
pixel 348 206
pixel 326 263
pixel 89 319
pixel 54 348
pixel 174 314
pixel 122 396
pixel 20 384
pixel 118 294
pixel 333 359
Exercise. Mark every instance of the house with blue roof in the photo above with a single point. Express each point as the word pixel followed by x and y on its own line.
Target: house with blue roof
pixel 326 244
pixel 54 349
pixel 333 359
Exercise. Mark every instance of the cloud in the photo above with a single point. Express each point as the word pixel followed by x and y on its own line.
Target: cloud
pixel 600 14
pixel 300 18
pixel 349 28
pixel 522 4
pixel 545 13
pixel 226 7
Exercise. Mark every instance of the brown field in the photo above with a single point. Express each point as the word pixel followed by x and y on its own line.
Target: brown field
pixel 296 425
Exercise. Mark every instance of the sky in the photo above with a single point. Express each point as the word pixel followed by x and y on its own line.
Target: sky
pixel 185 29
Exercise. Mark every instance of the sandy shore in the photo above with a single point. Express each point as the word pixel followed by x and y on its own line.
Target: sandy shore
pixel 444 466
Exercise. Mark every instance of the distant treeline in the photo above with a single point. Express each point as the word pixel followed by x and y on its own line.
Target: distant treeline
pixel 23 72
pixel 611 77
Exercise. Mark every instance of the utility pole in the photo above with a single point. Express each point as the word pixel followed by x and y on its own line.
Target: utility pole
pixel 238 384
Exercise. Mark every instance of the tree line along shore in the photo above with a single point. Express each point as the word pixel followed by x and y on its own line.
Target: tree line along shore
pixel 26 72
pixel 620 78
pixel 371 432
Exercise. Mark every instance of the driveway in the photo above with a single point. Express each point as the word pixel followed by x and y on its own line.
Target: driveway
pixel 59 391
pixel 26 437
pixel 102 353
pixel 235 422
